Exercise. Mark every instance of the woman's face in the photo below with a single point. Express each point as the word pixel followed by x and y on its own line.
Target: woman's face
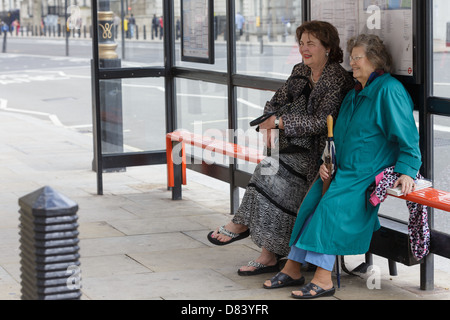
pixel 361 66
pixel 312 51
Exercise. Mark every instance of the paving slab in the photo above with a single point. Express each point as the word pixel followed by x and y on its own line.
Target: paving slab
pixel 136 243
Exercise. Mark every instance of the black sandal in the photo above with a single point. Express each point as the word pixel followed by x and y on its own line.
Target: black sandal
pixel 281 280
pixel 234 236
pixel 306 292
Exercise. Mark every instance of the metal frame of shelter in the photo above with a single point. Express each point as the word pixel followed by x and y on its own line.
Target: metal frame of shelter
pixel 426 104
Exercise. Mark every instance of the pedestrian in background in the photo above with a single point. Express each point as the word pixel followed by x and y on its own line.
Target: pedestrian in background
pixel 155 27
pixel 161 27
pixel 125 28
pixel 132 25
pixel 240 22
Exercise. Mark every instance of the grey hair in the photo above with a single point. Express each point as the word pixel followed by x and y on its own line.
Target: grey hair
pixel 376 50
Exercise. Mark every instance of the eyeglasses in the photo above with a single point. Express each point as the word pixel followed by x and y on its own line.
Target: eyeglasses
pixel 356 59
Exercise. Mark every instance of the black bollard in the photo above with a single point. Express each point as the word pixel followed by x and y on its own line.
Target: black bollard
pixel 50 267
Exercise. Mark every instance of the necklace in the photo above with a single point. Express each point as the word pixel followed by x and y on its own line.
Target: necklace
pixel 312 78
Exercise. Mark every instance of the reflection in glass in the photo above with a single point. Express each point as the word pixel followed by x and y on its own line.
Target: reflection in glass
pixel 250 106
pixel 441 35
pixel 266 44
pixel 441 166
pixel 201 103
pixel 202 108
pixel 441 61
pixel 133 114
pixel 135 32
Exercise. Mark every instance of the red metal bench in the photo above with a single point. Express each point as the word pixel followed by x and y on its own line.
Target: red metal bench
pixel 207 143
pixel 429 196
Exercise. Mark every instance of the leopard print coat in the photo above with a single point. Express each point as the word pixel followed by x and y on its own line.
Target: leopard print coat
pixel 306 122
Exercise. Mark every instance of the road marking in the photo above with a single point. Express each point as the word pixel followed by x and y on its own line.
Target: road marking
pixel 143 86
pixel 437 127
pixel 55 58
pixel 53 118
pixel 81 126
pixel 219 121
pixel 18 78
pixel 249 104
pixel 441 128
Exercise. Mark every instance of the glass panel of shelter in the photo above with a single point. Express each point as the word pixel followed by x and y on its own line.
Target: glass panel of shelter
pixel 265 37
pixel 130 122
pixel 250 105
pixel 441 88
pixel 203 110
pixel 132 34
pixel 441 48
pixel 132 110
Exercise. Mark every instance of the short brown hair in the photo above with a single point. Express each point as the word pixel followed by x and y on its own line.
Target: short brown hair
pixel 376 50
pixel 328 36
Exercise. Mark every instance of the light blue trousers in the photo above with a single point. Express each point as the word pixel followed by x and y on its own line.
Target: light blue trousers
pixel 324 261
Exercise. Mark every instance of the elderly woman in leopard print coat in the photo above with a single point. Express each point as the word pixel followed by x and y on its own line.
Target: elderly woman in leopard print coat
pixel 314 90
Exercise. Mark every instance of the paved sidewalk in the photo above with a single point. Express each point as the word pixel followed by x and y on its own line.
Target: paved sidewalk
pixel 136 243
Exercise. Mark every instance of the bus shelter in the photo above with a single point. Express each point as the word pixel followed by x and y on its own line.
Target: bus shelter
pixel 209 66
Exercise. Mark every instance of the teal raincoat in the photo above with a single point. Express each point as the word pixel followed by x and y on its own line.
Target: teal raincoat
pixel 375 130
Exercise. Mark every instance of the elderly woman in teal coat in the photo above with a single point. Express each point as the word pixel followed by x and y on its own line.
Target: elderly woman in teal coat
pixel 375 130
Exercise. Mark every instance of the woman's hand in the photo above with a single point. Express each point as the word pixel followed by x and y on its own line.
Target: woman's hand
pixel 268 124
pixel 323 172
pixel 267 137
pixel 266 129
pixel 407 183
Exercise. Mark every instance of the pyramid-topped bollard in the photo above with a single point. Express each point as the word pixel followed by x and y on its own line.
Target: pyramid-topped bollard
pixel 50 267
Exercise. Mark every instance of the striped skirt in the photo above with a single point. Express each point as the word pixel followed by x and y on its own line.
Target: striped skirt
pixel 272 200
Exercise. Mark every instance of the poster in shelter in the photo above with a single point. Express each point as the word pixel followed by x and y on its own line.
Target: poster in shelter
pixel 197 31
pixel 391 20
